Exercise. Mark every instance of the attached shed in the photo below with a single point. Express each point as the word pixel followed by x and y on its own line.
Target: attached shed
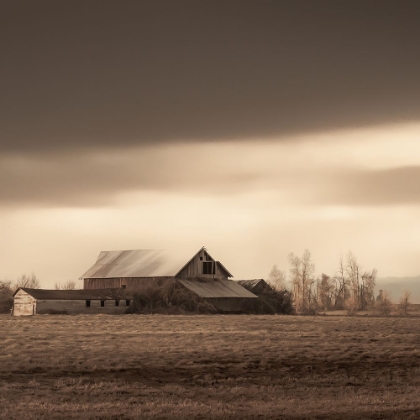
pixel 39 301
pixel 125 269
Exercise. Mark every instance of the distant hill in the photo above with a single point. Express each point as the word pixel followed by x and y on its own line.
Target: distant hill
pixel 397 285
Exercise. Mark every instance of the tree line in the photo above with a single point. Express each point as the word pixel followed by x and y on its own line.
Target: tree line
pixel 351 288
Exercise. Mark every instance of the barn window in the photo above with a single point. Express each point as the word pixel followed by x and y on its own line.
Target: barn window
pixel 127 302
pixel 208 267
pixel 88 304
pixel 117 303
pixel 102 303
pixel 123 286
pixel 201 258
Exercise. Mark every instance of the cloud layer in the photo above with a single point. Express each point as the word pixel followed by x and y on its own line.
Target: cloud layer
pixel 312 174
pixel 85 74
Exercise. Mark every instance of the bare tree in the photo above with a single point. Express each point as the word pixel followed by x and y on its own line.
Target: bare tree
pixel 277 278
pixel 353 276
pixel 301 273
pixel 404 303
pixel 68 285
pixel 367 296
pixel 325 292
pixel 31 282
pixel 342 286
pixel 354 290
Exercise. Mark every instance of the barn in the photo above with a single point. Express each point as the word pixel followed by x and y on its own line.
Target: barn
pixel 199 272
pixel 39 301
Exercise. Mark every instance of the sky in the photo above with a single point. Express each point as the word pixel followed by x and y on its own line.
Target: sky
pixel 254 128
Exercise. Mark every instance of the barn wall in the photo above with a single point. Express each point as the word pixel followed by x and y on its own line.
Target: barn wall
pixel 130 283
pixel 101 283
pixel 194 268
pixel 79 307
pixel 23 304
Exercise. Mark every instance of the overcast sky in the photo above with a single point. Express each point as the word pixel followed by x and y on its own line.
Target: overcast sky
pixel 255 128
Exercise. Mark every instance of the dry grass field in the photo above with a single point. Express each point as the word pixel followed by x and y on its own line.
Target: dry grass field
pixel 209 367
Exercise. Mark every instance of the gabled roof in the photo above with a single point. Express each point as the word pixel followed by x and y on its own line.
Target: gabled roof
pixel 83 294
pixel 140 263
pixel 216 288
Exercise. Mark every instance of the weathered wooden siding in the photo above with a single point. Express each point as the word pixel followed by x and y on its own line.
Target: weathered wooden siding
pixel 24 304
pixel 101 283
pixel 79 307
pixel 194 268
pixel 129 283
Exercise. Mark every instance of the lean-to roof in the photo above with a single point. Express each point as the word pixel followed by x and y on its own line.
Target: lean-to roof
pixel 216 288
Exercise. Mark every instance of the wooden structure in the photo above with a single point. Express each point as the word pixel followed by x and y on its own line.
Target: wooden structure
pixel 200 273
pixel 256 286
pixel 39 301
pixel 124 269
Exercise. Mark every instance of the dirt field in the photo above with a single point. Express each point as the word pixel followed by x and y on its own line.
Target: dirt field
pixel 209 367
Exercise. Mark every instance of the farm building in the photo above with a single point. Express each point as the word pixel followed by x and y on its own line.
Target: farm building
pixel 256 286
pixel 126 268
pixel 38 301
pixel 200 273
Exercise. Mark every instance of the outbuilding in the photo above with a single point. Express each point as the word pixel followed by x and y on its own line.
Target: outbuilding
pixel 39 301
pixel 256 286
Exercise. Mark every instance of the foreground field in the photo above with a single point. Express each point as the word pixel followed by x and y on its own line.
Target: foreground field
pixel 209 367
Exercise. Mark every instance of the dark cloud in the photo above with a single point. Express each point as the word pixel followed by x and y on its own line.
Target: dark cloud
pixel 105 73
pixel 96 179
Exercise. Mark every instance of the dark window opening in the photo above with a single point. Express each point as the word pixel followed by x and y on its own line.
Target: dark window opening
pixel 88 304
pixel 123 286
pixel 201 258
pixel 127 303
pixel 117 303
pixel 208 267
pixel 102 303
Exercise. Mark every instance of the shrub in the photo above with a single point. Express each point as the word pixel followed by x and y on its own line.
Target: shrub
pixel 271 301
pixel 168 297
pixel 384 303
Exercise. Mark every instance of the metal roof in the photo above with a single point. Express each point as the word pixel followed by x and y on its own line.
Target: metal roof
pixel 140 263
pixel 83 294
pixel 216 288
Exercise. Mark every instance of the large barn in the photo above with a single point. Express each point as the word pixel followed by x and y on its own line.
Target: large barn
pixel 199 272
pixel 125 269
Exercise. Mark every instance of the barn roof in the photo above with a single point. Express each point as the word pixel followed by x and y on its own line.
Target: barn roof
pixel 216 288
pixel 141 263
pixel 83 294
pixel 255 285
